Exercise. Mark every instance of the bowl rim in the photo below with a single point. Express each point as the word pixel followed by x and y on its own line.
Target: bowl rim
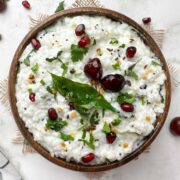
pixel 14 70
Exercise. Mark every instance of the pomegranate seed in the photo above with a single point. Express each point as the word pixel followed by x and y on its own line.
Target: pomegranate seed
pixel 113 82
pixel 146 20
pixel 111 137
pixel 35 43
pixel 89 157
pixel 52 114
pixel 127 107
pixel 93 69
pixel 71 106
pixel 175 126
pixel 26 4
pixel 130 52
pixel 2 5
pixel 84 41
pixel 80 30
pixel 32 97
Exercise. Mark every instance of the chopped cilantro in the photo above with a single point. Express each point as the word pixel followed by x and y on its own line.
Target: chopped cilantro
pixel 78 53
pixel 113 41
pixel 84 134
pixel 56 125
pixel 35 68
pixel 64 66
pixel 89 143
pixel 125 98
pixel 106 129
pixel 55 58
pixel 27 59
pixel 60 7
pixel 122 46
pixel 154 63
pixel 99 51
pixel 116 66
pixel 30 90
pixel 116 122
pixel 66 137
pixel 132 74
pixel 42 82
pixel 142 100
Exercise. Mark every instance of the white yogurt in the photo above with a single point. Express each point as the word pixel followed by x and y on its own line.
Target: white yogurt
pixel 60 37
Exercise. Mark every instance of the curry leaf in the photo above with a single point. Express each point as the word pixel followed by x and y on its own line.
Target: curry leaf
pixel 78 53
pixel 83 96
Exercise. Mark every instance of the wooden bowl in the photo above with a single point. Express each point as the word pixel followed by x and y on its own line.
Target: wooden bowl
pixel 12 81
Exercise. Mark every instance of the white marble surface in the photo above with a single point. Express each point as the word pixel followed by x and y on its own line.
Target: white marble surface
pixel 163 161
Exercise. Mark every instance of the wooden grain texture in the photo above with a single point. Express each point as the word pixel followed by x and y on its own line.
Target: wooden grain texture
pixel 14 69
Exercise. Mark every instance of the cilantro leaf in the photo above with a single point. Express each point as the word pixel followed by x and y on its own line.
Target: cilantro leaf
pixel 66 137
pixel 78 53
pixel 125 98
pixel 56 125
pixel 132 74
pixel 35 68
pixel 106 129
pixel 60 7
pixel 116 122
